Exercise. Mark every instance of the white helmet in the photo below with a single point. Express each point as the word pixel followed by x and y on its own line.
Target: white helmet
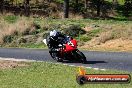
pixel 53 33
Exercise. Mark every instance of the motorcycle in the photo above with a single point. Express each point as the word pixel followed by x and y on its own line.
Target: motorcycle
pixel 67 51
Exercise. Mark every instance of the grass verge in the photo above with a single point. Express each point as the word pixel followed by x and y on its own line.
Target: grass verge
pixel 29 32
pixel 38 46
pixel 48 75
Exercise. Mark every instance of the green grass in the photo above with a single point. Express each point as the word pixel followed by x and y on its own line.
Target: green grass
pixel 11 18
pixel 32 45
pixel 25 45
pixel 94 32
pixel 84 38
pixel 88 36
pixel 119 1
pixel 47 75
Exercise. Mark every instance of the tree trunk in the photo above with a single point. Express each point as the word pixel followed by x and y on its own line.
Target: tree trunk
pixel 66 8
pixel 127 8
pixel 1 6
pixel 98 7
pixel 85 5
pixel 115 4
pixel 76 6
pixel 26 7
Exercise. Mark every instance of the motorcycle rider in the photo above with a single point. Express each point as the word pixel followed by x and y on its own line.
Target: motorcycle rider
pixel 55 38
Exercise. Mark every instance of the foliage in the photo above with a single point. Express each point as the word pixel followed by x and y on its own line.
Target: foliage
pixel 94 32
pixel 26 32
pixel 85 38
pixel 45 34
pixel 74 30
pixel 121 33
pixel 59 1
pixel 44 8
pixel 22 40
pixel 33 30
pixel 88 36
pixel 11 18
pixel 8 39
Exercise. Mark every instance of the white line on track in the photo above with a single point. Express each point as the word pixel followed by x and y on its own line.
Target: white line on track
pixel 72 65
pixel 85 67
pixel 65 64
pixel 89 67
pixel 103 69
pixel 96 68
pixel 13 59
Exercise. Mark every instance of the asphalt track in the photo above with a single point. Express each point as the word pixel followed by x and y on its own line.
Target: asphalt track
pixel 102 60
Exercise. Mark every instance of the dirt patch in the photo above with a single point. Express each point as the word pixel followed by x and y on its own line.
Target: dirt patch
pixel 116 44
pixel 5 64
pixel 88 28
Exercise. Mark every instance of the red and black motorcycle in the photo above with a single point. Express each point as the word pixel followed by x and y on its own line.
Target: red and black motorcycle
pixel 67 51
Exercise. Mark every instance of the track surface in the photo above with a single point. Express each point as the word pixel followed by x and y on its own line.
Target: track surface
pixel 103 60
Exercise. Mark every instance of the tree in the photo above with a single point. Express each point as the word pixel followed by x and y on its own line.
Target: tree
pixel 85 5
pixel 115 3
pixel 27 7
pixel 1 6
pixel 127 8
pixel 66 8
pixel 98 7
pixel 76 6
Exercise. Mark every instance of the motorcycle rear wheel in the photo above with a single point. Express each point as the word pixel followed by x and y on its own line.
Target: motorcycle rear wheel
pixel 55 56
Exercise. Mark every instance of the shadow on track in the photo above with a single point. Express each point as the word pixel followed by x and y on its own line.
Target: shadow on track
pixel 88 62
pixel 95 62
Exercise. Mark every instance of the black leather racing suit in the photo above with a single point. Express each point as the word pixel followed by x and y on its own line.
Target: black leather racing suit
pixel 53 42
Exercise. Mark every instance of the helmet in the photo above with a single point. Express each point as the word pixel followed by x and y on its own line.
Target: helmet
pixel 54 34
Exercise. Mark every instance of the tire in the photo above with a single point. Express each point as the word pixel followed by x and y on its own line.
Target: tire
pixel 55 57
pixel 81 57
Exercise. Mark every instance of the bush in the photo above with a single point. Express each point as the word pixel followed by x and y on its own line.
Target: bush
pixel 74 31
pixel 45 27
pixel 37 26
pixel 93 33
pixel 26 32
pixel 32 31
pixel 85 38
pixel 54 26
pixel 8 39
pixel 22 40
pixel 105 37
pixel 45 35
pixel 11 18
pixel 15 33
pixel 35 29
pixel 122 33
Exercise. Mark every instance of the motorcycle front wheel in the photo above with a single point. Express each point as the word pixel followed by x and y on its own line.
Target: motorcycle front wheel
pixel 80 56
